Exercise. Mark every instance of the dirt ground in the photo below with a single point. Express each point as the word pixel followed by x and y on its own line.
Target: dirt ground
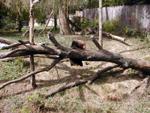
pixel 109 94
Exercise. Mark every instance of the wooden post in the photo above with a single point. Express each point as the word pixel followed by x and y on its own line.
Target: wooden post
pixel 100 23
pixel 31 39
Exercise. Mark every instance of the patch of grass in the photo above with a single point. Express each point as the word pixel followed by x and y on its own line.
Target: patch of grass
pixel 12 69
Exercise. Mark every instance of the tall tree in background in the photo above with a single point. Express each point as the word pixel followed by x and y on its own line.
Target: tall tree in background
pixel 100 23
pixel 63 15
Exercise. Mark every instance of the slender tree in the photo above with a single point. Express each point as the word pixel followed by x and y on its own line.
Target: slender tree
pixel 31 39
pixel 100 23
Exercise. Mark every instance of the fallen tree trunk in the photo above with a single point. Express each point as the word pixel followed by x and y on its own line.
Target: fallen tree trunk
pixel 83 55
pixel 114 37
pixel 5 41
pixel 61 52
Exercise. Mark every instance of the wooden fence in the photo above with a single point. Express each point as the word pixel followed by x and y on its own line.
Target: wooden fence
pixel 137 16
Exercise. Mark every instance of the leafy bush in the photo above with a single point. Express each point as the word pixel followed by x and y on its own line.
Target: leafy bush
pixel 111 26
pixel 130 31
pixel 117 28
pixel 87 23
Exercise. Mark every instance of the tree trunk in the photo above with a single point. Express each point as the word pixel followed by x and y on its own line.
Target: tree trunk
pixel 20 26
pixel 31 39
pixel 100 23
pixel 55 22
pixel 64 24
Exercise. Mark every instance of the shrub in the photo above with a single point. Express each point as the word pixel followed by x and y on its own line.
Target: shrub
pixel 111 26
pixel 87 23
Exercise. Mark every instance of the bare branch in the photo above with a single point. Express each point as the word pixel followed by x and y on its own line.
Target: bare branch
pixel 145 81
pixel 79 82
pixel 30 50
pixel 67 86
pixel 47 22
pixel 5 41
pixel 54 41
pixel 96 43
pixel 14 45
pixel 100 72
pixel 114 37
pixel 30 74
pixel 35 2
pixel 134 49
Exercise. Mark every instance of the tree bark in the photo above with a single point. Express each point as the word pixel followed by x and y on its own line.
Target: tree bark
pixel 60 52
pixel 31 39
pixel 55 22
pixel 100 23
pixel 64 24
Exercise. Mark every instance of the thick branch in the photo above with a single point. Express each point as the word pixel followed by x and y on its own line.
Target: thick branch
pixel 82 55
pixel 80 81
pixel 5 41
pixel 30 50
pixel 100 72
pixel 14 45
pixel 30 74
pixel 67 86
pixel 96 43
pixel 56 44
pixel 114 37
pixel 134 49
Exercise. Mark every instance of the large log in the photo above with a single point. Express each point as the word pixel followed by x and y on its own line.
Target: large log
pixel 5 41
pixel 60 52
pixel 79 54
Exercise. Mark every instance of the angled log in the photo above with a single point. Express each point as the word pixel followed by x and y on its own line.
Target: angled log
pixel 114 37
pixel 30 74
pixel 61 52
pixel 5 41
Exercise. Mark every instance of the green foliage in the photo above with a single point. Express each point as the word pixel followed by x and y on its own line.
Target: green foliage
pixel 113 2
pixel 107 3
pixel 35 98
pixel 92 4
pixel 12 69
pixel 25 109
pixel 119 29
pixel 40 14
pixel 87 23
pixel 3 14
pixel 130 31
pixel 112 27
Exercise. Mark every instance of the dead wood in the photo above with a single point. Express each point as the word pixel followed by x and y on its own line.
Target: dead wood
pixel 105 34
pixel 14 45
pixel 78 82
pixel 49 18
pixel 84 55
pixel 5 41
pixel 145 81
pixel 134 49
pixel 30 74
pixel 114 37
pixel 61 52
pixel 98 74
pixel 96 42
